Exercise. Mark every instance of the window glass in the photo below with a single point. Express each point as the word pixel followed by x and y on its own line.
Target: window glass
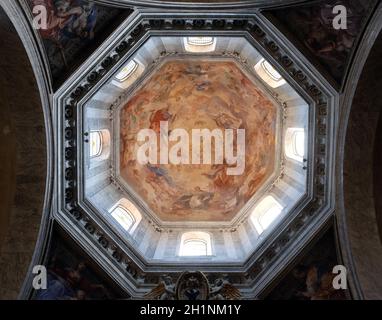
pixel 200 41
pixel 271 71
pixel 127 71
pixel 95 143
pixel 265 213
pixel 199 44
pixel 124 217
pixel 195 244
pixel 299 143
pixel 295 143
pixel 268 74
pixel 194 247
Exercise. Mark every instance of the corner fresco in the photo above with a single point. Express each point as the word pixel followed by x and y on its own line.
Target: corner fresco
pixel 72 276
pixel 312 27
pixel 312 277
pixel 74 29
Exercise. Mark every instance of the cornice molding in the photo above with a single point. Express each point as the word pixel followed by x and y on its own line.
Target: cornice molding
pixel 201 4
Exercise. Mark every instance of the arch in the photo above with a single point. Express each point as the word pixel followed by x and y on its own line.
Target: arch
pixel 25 203
pixel 356 208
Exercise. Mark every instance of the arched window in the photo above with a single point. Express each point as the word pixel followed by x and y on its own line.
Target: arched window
pixel 265 213
pixel 269 74
pixel 95 141
pixel 194 244
pixel 128 74
pixel 127 71
pixel 200 41
pixel 99 144
pixel 199 44
pixel 295 143
pixel 123 217
pixel 126 214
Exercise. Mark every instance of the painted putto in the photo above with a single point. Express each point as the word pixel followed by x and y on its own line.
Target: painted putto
pixel 191 95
